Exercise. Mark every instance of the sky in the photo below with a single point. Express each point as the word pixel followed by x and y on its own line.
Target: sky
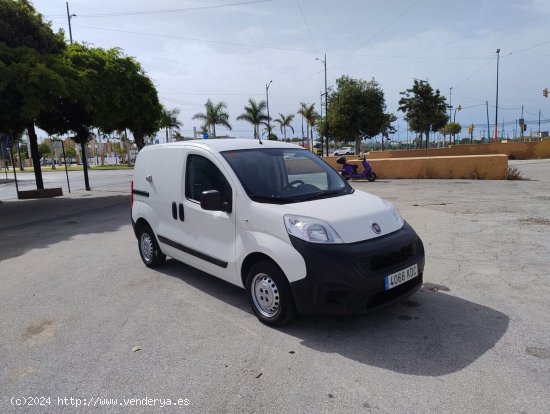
pixel 229 50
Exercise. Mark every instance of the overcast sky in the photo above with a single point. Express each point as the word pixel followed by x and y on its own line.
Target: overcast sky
pixel 228 50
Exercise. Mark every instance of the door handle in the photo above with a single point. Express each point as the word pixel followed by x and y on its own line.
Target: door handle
pixel 174 211
pixel 182 217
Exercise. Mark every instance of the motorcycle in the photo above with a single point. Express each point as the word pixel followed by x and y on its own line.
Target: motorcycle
pixel 349 171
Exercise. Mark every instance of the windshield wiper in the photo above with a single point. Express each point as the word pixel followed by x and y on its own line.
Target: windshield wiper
pixel 321 194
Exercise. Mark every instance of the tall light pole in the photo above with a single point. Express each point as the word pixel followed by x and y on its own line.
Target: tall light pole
pixel 326 101
pixel 496 106
pixel 268 118
pixel 69 17
pixel 450 102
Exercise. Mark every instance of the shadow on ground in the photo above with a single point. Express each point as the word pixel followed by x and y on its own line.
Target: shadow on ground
pixel 432 333
pixel 26 225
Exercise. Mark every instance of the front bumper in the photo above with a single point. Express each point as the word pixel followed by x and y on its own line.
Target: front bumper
pixel 348 279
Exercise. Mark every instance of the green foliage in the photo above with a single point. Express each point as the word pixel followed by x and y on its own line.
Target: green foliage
pixel 214 114
pixel 424 108
pixel 311 116
pixel 109 91
pixel 285 122
pixel 22 26
pixel 254 114
pixel 44 149
pixel 31 76
pixel 357 110
pixel 30 72
pixel 451 128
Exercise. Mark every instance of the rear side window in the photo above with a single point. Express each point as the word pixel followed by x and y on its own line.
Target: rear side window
pixel 202 175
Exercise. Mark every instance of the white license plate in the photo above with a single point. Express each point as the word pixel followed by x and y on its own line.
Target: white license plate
pixel 398 278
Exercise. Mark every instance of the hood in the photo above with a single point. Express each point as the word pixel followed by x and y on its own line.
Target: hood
pixel 352 216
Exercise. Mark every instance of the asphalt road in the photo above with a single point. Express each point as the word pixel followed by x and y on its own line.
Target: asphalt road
pixel 114 181
pixel 82 317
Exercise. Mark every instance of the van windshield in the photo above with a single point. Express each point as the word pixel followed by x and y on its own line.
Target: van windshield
pixel 285 175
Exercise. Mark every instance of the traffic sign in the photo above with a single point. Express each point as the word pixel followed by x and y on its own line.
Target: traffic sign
pixel 205 135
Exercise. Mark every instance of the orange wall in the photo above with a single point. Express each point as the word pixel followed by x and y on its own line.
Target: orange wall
pixel 486 167
pixel 515 150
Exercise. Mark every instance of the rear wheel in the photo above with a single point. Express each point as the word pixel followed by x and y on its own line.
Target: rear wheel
pixel 269 294
pixel 149 249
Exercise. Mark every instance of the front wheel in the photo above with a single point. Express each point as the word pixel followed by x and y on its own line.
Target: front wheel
pixel 269 294
pixel 149 249
pixel 371 176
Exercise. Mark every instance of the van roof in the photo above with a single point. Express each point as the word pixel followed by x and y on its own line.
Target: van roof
pixel 228 144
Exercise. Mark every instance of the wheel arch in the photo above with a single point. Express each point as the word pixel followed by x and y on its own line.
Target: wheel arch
pixel 251 260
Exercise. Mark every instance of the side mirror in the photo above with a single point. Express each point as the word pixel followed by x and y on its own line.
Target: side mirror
pixel 212 200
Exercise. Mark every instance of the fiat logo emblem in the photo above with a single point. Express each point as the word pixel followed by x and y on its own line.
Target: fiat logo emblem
pixel 376 228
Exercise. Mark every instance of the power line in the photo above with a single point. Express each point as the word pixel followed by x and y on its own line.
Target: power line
pixel 307 26
pixel 164 11
pixel 389 24
pixel 199 40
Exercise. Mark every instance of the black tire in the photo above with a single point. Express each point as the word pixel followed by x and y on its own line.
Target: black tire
pixel 269 294
pixel 371 176
pixel 149 249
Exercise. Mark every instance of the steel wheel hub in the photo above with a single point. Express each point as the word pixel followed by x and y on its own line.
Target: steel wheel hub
pixel 265 295
pixel 146 245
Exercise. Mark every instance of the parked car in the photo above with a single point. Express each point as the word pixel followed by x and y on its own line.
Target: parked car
pixel 345 151
pixel 276 220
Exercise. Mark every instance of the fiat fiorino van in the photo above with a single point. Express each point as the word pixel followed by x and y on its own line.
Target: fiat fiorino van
pixel 276 220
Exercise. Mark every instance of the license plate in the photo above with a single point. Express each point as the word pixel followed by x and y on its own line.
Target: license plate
pixel 398 278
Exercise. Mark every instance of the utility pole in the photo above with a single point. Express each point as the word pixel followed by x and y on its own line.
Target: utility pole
pixel 326 101
pixel 268 118
pixel 496 106
pixel 450 102
pixel 488 127
pixel 539 125
pixel 69 17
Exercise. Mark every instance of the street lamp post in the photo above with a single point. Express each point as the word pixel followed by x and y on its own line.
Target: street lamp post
pixel 450 102
pixel 326 101
pixel 496 106
pixel 458 108
pixel 268 118
pixel 69 17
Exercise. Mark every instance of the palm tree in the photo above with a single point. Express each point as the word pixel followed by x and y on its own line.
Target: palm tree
pixel 214 115
pixel 269 129
pixel 254 114
pixel 284 122
pixel 310 115
pixel 169 120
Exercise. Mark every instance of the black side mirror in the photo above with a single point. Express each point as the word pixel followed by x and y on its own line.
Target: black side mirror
pixel 212 200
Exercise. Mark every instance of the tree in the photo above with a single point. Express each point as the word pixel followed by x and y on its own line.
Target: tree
pixel 310 115
pixel 357 111
pixel 44 149
pixel 285 122
pixel 170 120
pixel 31 76
pixel 108 91
pixel 269 129
pixel 425 110
pixel 215 114
pixel 452 128
pixel 254 114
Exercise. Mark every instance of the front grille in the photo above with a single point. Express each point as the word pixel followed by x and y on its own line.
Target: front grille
pixel 389 259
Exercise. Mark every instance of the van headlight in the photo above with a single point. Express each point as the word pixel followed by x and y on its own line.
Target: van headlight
pixel 311 230
pixel 395 213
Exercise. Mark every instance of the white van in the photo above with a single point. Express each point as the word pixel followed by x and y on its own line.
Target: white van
pixel 277 220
